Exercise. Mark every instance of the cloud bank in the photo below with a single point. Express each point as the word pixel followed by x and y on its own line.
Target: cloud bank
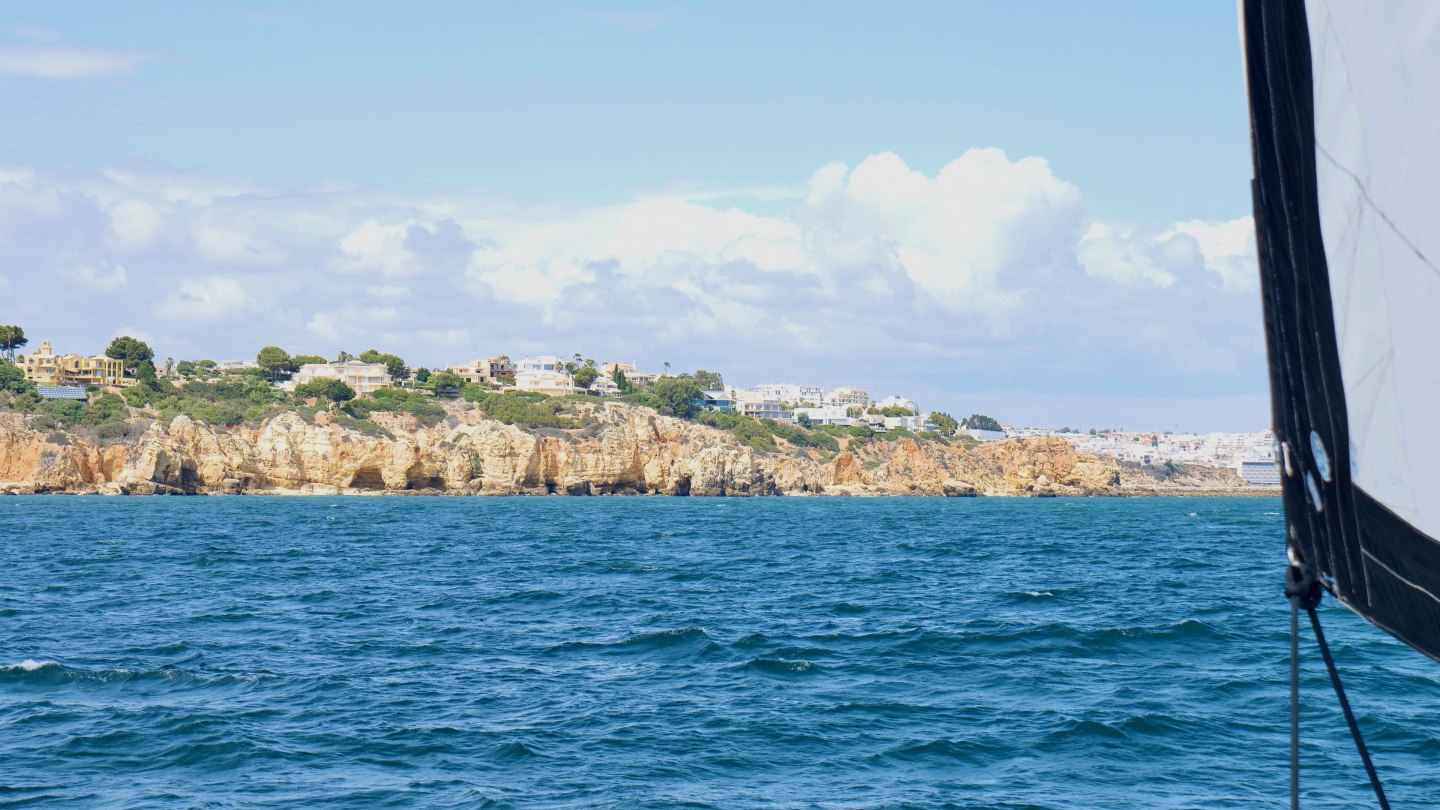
pixel 987 285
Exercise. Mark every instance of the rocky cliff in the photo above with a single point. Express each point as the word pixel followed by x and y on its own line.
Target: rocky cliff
pixel 624 450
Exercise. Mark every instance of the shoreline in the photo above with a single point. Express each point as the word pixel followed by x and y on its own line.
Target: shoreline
pixel 325 492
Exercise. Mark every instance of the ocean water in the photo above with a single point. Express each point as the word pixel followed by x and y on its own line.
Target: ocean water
pixel 674 652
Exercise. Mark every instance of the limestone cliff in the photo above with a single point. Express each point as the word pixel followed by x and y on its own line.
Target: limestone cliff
pixel 625 450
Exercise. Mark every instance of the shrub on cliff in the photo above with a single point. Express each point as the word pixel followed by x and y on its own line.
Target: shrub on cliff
pixel 514 409
pixel 399 400
pixel 800 437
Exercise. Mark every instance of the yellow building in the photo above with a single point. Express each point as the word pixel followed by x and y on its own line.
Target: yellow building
pixel 44 367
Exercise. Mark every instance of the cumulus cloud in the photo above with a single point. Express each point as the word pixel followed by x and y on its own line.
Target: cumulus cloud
pixel 58 62
pixel 211 301
pixel 101 277
pixel 990 275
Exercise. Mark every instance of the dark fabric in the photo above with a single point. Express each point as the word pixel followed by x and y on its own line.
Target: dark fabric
pixel 1307 392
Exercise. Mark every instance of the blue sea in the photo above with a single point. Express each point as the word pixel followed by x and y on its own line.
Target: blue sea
pixel 675 652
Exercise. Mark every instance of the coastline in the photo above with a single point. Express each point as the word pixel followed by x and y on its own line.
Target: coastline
pixel 619 450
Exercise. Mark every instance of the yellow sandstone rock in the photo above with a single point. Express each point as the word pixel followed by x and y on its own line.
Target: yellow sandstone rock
pixel 629 450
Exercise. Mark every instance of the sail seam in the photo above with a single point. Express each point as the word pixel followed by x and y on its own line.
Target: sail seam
pixel 1380 212
pixel 1393 573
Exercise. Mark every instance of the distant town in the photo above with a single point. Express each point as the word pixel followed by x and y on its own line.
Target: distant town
pixel 127 364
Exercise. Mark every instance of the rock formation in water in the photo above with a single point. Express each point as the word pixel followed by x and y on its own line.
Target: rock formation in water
pixel 625 450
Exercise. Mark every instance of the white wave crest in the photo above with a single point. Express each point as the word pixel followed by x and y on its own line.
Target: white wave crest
pixel 30 665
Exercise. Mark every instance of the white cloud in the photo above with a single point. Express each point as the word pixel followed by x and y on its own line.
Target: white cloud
pixel 101 277
pixel 210 301
pixel 990 274
pixel 135 226
pixel 55 62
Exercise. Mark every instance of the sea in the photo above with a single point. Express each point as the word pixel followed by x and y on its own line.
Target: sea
pixel 648 652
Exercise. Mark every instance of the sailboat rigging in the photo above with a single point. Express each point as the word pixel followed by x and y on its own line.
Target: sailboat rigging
pixel 1346 145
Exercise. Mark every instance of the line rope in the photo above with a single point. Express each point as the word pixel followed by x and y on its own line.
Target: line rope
pixel 1304 591
pixel 1294 703
pixel 1345 705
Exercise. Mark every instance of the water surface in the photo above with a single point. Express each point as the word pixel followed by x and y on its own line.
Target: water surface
pixel 674 652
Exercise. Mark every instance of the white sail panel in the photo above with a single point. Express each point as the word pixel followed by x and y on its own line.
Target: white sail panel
pixel 1376 74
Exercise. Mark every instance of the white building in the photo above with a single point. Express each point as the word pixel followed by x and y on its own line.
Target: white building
pixel 1259 473
pixel 632 374
pixel 847 396
pixel 365 378
pixel 481 371
pixel 543 375
pixel 788 392
pixel 898 402
pixel 907 422
pixel 760 406
pixel 233 365
pixel 826 415
pixel 605 386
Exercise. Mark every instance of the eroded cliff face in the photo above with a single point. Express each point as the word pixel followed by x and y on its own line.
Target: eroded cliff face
pixel 627 450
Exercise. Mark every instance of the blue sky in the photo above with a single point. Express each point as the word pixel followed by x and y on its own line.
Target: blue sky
pixel 583 158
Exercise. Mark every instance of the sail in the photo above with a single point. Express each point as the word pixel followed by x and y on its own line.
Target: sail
pixel 1345 115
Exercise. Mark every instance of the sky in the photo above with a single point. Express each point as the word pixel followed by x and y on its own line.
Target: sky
pixel 1035 210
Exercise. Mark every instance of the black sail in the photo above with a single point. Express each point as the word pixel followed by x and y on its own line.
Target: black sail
pixel 1345 117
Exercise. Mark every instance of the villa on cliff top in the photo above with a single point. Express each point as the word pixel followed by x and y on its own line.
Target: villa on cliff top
pixel 44 367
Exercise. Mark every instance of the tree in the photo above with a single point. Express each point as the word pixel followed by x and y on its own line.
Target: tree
pixel 622 384
pixel 709 380
pixel 145 375
pixel 12 338
pixel 185 368
pixel 306 359
pixel 274 360
pixel 945 422
pixel 803 420
pixel 422 375
pixel 133 352
pixel 393 364
pixel 327 387
pixel 586 375
pixel 445 383
pixel 12 379
pixel 1092 431
pixel 981 422
pixel 676 394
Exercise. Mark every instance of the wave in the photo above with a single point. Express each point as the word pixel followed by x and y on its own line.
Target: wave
pixel 962 750
pixel 776 666
pixel 657 640
pixel 30 665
